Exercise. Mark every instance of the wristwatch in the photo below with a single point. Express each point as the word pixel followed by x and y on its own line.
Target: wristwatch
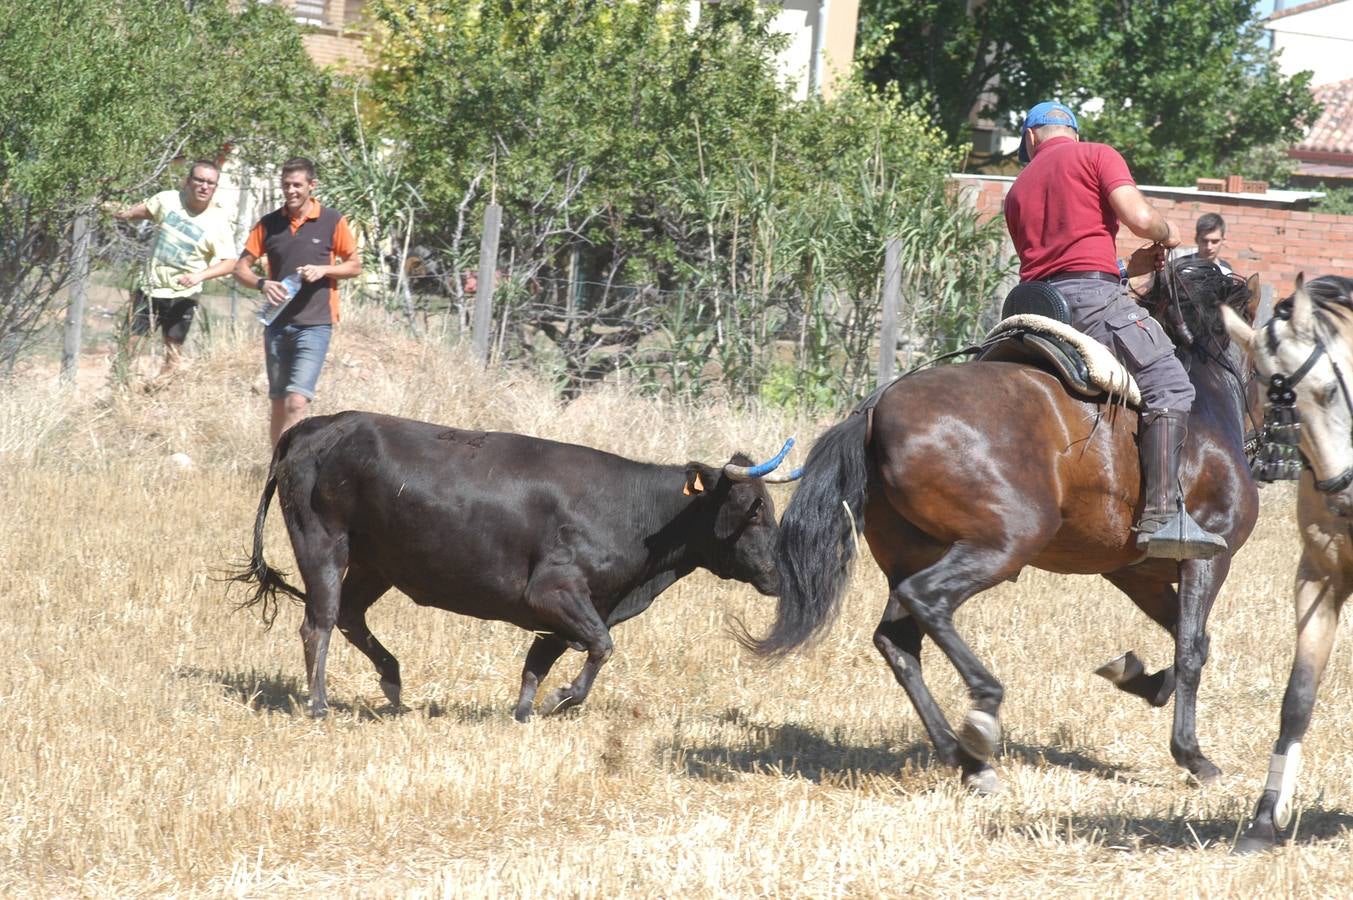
pixel 261 283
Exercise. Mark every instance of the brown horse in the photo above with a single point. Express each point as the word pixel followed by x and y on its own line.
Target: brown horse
pixel 1305 355
pixel 962 475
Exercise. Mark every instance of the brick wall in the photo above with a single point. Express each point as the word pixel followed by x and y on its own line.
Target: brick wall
pixel 1273 238
pixel 341 49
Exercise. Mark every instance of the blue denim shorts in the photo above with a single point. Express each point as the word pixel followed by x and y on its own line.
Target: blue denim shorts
pixel 294 355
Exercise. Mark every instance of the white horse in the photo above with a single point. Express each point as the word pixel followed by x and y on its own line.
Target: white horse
pixel 1305 355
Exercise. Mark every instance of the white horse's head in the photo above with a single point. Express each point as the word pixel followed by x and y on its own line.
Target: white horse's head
pixel 1304 355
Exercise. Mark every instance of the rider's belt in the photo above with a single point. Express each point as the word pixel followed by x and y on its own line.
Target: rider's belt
pixel 1067 276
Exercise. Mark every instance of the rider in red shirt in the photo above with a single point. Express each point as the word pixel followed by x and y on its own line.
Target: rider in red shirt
pixel 1063 213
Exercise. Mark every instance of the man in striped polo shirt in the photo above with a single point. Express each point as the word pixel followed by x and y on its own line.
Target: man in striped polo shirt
pixel 193 244
pixel 313 241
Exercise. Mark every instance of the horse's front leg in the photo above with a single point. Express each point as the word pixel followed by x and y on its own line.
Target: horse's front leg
pixel 1199 582
pixel 1318 601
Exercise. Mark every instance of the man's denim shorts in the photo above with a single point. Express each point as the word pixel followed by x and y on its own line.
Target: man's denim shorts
pixel 294 355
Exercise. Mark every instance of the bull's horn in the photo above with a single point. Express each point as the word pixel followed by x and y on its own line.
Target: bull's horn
pixel 749 473
pixel 782 477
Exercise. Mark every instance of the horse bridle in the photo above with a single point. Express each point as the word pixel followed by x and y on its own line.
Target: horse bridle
pixel 1282 428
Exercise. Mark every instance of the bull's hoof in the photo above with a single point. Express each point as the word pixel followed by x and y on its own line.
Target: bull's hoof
pixel 1124 668
pixel 558 701
pixel 319 712
pixel 391 690
pixel 523 713
pixel 983 782
pixel 979 735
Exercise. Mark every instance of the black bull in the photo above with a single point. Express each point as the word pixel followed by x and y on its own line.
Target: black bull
pixel 562 540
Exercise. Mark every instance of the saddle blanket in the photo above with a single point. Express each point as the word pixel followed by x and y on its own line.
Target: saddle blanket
pixel 1101 369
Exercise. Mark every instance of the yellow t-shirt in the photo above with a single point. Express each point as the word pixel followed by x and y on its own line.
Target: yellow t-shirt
pixel 183 243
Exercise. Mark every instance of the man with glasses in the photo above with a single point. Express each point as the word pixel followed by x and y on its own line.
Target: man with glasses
pixel 193 244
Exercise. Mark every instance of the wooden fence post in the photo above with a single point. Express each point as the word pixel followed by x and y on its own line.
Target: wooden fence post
pixel 483 296
pixel 892 305
pixel 241 233
pixel 79 289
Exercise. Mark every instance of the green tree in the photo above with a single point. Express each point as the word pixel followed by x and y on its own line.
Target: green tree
pixel 719 218
pixel 102 96
pixel 1187 89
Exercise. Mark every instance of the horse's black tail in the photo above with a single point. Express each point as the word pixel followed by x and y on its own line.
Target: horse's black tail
pixel 269 581
pixel 817 541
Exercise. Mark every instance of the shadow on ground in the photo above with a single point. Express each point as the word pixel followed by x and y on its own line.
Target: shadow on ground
pixel 1134 833
pixel 286 695
pixel 817 756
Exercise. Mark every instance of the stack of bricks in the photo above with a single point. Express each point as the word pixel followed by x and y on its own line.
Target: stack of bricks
pixel 1232 184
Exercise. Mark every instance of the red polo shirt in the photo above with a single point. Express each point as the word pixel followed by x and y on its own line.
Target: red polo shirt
pixel 1058 210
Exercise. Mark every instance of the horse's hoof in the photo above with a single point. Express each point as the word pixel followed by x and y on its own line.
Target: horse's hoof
pixel 983 782
pixel 391 691
pixel 1124 668
pixel 979 735
pixel 1252 843
pixel 1205 774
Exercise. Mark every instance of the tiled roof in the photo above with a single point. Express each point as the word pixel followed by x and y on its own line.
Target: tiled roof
pixel 1332 132
pixel 1301 8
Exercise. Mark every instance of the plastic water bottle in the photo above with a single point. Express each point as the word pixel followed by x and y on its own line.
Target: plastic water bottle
pixel 267 313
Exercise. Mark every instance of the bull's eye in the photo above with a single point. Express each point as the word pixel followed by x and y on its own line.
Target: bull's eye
pixel 754 512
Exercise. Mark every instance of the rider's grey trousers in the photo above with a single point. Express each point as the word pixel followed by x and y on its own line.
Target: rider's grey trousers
pixel 1106 313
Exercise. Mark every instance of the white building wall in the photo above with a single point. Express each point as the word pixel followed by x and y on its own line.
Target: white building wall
pixel 824 27
pixel 1319 40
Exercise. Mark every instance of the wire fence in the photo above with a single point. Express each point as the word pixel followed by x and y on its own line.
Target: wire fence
pixel 791 345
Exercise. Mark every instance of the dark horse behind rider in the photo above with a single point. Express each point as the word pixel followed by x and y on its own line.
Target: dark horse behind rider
pixel 962 475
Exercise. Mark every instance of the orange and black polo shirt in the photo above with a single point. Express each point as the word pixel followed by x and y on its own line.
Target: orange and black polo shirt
pixel 320 236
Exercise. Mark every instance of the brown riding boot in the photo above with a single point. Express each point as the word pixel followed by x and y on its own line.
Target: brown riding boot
pixel 1165 528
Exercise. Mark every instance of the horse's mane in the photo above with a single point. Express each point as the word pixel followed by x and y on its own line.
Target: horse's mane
pixel 1331 292
pixel 1332 296
pixel 1200 289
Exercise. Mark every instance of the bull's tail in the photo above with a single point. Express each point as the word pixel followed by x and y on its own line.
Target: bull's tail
pixel 269 581
pixel 817 541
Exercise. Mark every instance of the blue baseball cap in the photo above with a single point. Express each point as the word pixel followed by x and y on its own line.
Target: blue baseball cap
pixel 1049 112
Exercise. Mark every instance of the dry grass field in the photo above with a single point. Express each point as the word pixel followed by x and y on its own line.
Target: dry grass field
pixel 153 742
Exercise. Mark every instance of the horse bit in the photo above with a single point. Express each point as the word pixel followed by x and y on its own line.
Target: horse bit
pixel 1278 457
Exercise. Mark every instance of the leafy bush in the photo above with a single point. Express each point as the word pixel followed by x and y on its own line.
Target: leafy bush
pixel 649 157
pixel 101 96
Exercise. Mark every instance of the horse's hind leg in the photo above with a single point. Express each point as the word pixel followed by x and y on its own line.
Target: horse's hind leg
pixel 1318 603
pixel 1160 601
pixel 898 639
pixel 362 588
pixel 931 596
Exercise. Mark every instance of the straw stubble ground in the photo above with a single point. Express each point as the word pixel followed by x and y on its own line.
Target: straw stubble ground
pixel 154 743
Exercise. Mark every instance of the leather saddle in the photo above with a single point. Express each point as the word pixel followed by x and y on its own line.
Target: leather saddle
pixel 1085 366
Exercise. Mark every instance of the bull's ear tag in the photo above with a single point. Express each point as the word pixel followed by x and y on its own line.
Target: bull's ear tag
pixel 693 485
